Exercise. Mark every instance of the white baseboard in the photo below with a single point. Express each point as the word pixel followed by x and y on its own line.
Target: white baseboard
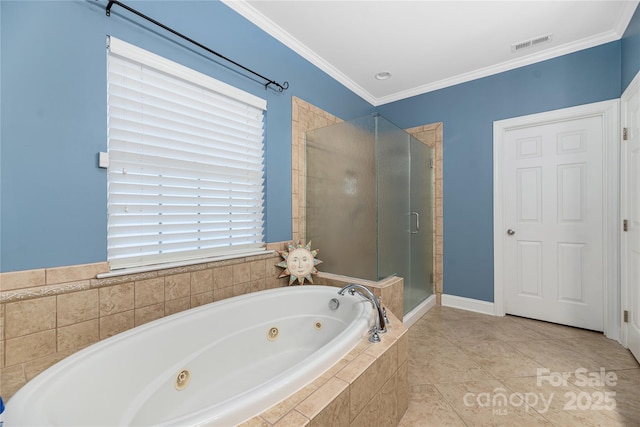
pixel 468 304
pixel 414 315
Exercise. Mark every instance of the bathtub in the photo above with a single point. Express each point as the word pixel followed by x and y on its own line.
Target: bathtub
pixel 215 365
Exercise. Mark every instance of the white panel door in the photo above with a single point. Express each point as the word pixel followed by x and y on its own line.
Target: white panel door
pixel 631 212
pixel 553 217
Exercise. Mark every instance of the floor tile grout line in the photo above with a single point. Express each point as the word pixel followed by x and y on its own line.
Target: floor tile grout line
pixel 444 322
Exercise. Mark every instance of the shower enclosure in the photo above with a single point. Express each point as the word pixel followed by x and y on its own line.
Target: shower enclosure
pixel 369 203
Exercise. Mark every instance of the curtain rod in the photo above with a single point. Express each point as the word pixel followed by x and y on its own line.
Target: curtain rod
pixel 280 87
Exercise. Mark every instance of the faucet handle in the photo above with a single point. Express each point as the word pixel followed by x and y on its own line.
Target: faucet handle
pixel 384 311
pixel 386 319
pixel 374 337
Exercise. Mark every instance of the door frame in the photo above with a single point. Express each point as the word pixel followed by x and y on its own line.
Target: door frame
pixel 633 87
pixel 610 113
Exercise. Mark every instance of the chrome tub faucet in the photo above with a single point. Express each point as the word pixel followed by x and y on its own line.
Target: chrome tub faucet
pixel 381 325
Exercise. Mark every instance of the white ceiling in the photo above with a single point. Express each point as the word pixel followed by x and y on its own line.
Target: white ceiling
pixel 427 45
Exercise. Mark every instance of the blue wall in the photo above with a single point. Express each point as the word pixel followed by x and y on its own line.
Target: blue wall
pixel 631 50
pixel 468 111
pixel 53 81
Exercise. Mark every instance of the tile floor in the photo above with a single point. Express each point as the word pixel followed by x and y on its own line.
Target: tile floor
pixel 469 369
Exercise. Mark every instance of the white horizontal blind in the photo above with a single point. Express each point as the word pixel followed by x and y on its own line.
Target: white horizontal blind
pixel 185 176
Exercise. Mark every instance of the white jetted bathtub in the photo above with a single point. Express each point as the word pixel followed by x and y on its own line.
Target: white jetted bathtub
pixel 217 365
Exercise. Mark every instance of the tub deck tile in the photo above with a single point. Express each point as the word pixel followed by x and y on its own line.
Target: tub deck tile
pixel 356 368
pixel 293 419
pixel 322 398
pixel 329 406
pixel 276 412
pixel 255 422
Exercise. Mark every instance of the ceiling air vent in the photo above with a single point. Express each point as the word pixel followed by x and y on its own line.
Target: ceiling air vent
pixel 531 42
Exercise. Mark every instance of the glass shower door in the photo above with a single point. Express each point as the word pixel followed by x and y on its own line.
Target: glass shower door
pixel 405 211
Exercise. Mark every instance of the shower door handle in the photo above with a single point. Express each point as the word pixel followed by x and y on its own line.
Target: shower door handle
pixel 417 222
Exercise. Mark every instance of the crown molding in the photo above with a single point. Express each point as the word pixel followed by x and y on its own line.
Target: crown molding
pixel 502 67
pixel 257 18
pixel 284 37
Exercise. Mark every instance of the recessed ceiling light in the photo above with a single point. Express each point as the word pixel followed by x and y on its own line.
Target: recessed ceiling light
pixel 383 75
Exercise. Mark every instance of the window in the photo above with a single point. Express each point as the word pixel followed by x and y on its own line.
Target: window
pixel 186 163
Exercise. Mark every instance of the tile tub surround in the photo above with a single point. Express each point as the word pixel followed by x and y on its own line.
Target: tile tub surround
pixel 368 387
pixel 48 314
pixel 306 117
pixel 390 290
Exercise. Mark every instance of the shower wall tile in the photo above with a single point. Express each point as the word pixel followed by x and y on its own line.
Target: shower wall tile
pixel 295 149
pixel 438 186
pixel 439 224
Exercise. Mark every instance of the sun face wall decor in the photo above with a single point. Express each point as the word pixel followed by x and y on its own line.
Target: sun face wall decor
pixel 299 263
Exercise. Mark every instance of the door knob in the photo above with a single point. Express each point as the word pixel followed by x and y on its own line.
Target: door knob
pixel 511 232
